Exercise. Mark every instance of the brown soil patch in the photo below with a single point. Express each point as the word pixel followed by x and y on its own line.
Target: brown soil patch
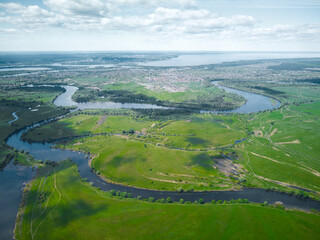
pixel 228 167
pixel 258 155
pixel 273 132
pixel 100 121
pixel 292 142
pixel 258 133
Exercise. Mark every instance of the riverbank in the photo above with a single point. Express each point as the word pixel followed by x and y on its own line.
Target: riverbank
pixel 61 205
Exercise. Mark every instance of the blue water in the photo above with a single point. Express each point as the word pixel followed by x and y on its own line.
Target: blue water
pixel 195 59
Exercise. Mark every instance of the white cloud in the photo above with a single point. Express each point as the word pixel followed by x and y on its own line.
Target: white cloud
pixel 163 19
pixel 99 8
pixel 94 8
pixel 8 30
pixel 284 32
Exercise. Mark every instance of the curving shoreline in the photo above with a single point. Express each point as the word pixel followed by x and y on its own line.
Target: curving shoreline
pixel 254 102
pixel 45 151
pixel 16 117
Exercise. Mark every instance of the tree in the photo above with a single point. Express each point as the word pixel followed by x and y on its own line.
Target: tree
pixel 124 194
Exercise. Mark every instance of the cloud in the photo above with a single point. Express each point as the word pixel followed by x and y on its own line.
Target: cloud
pixel 100 8
pixel 110 16
pixel 8 30
pixel 283 33
pixel 94 8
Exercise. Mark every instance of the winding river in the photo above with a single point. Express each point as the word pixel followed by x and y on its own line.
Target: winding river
pixel 14 114
pixel 13 177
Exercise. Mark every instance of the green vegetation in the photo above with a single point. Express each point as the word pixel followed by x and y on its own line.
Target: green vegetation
pixel 196 96
pixel 135 163
pixel 30 107
pixel 58 205
pixel 175 149
pixel 284 147
pixel 82 124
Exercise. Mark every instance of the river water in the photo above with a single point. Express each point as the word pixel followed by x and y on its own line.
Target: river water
pixel 65 100
pixel 195 59
pixel 255 102
pixel 13 177
pixel 14 114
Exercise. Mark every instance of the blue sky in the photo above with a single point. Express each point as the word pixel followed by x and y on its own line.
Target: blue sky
pixel 176 25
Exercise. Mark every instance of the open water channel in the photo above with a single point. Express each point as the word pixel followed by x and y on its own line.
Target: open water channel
pixel 13 178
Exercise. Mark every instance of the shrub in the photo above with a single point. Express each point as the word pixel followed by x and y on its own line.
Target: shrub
pixel 169 200
pixel 162 200
pixel 213 201
pixel 124 194
pixel 112 192
pixel 181 201
pixel 151 199
pixel 201 201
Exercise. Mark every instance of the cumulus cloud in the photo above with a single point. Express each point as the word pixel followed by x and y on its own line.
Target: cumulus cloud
pixel 98 15
pixel 99 8
pixel 164 17
pixel 93 8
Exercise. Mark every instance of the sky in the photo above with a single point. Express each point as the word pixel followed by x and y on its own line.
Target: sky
pixel 160 25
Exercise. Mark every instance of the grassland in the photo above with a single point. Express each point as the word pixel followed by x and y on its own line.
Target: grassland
pixel 156 154
pixel 82 124
pixel 285 147
pixel 30 107
pixel 148 166
pixel 194 95
pixel 282 149
pixel 59 205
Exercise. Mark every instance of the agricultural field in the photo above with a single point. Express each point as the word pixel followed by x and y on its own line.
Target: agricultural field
pixel 59 205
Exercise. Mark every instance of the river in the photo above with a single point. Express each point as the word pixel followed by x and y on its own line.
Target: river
pixel 13 177
pixel 196 59
pixel 14 114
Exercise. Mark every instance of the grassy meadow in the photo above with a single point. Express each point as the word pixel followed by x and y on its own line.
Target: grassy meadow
pixel 285 146
pixel 30 107
pixel 59 205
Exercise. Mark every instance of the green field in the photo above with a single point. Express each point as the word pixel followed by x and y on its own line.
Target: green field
pixel 82 124
pixel 156 154
pixel 136 163
pixel 31 106
pixel 285 147
pixel 58 205
pixel 193 95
